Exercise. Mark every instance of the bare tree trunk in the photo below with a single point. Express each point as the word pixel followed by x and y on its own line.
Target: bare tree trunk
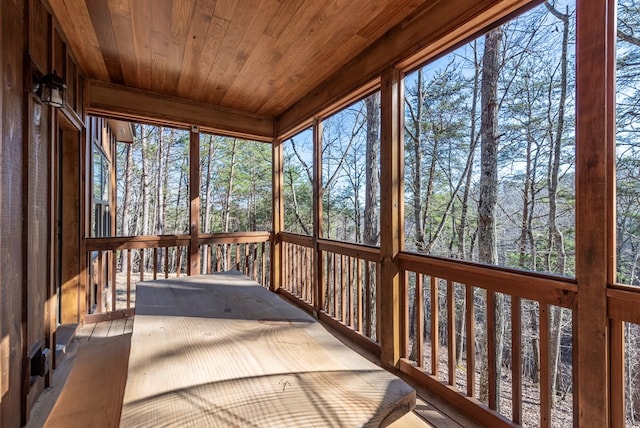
pixel 206 221
pixel 296 208
pixel 126 202
pixel 372 104
pixel 226 214
pixel 416 179
pixel 146 205
pixel 473 140
pixel 487 251
pixel 556 239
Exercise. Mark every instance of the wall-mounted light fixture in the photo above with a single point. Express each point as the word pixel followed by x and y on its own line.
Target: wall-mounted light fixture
pixel 51 90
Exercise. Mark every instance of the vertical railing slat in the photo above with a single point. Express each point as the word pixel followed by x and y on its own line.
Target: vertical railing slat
pixel 128 279
pixel 114 268
pixel 419 312
pixel 359 284
pixel 451 330
pixel 367 298
pixel 618 399
pixel 516 359
pixel 435 320
pixel 178 261
pixel 545 368
pixel 470 318
pixel 155 263
pixel 100 284
pixel 166 262
pixel 343 290
pixel 141 264
pixel 491 349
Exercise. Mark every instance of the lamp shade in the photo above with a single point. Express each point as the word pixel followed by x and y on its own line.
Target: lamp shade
pixel 52 90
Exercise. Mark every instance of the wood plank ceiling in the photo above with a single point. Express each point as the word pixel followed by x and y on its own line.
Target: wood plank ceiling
pixel 257 56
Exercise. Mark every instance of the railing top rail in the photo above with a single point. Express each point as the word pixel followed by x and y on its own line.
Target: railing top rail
pixel 157 241
pixel 135 242
pixel 297 239
pixel 360 251
pixel 543 288
pixel 234 237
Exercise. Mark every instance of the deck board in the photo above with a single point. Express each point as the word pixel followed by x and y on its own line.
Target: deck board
pixel 219 350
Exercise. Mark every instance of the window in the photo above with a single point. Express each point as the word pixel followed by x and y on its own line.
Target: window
pixel 628 143
pixel 101 217
pixel 351 173
pixel 297 180
pixel 498 187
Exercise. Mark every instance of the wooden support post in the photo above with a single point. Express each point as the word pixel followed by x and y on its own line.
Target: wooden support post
pixel 194 196
pixel 391 199
pixel 278 215
pixel 595 202
pixel 318 279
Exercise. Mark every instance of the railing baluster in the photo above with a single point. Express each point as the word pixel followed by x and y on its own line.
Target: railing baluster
pixel 246 259
pixel 141 264
pixel 178 261
pixel 255 262
pixel 166 262
pixel 618 411
pixel 359 284
pixel 545 368
pixel 155 263
pixel 350 290
pixel 100 285
pixel 367 297
pixel 470 318
pixel 335 284
pixel 451 327
pixel 263 260
pixel 114 268
pixel 516 359
pixel 406 322
pixel 128 279
pixel 419 313
pixel 299 253
pixel 238 258
pixel 343 291
pixel 491 348
pixel 435 320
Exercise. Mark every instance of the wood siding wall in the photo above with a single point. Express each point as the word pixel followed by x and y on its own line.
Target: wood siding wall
pixel 11 212
pixel 30 47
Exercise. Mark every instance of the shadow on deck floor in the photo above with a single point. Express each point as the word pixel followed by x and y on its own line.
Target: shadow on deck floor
pixel 90 380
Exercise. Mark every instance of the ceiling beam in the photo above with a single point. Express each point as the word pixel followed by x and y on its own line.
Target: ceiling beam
pixel 121 102
pixel 430 31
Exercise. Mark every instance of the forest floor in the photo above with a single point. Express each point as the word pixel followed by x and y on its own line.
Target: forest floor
pixel 561 412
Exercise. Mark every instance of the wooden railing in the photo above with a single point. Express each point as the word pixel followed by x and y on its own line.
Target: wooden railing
pixel 464 351
pixel 116 264
pixel 622 304
pixel 246 252
pixel 297 268
pixel 349 274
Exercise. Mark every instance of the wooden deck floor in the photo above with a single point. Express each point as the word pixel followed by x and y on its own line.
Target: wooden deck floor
pixel 93 394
